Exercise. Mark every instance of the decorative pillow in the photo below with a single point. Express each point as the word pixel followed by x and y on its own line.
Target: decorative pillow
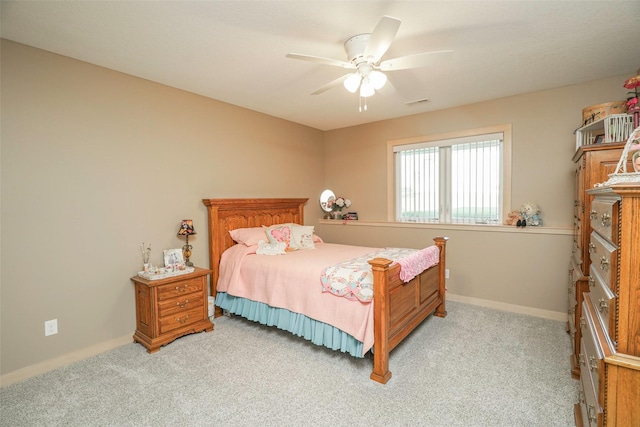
pixel 279 233
pixel 248 236
pixel 302 236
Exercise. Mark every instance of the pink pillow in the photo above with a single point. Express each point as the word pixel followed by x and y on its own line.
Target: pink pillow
pixel 248 236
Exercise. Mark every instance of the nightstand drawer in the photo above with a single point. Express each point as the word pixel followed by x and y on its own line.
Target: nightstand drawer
pixel 180 304
pixel 180 288
pixel 604 256
pixel 181 319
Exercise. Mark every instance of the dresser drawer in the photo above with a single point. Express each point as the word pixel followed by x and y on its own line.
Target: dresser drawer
pixel 591 410
pixel 180 288
pixel 604 257
pixel 591 358
pixel 603 219
pixel 603 300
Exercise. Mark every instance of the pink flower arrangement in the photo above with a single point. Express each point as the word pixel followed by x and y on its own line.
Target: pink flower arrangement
pixel 339 203
pixel 633 83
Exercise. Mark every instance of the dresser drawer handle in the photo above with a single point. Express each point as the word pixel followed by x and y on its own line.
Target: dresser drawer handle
pixel 593 363
pixel 592 282
pixel 181 289
pixel 603 305
pixel 593 214
pixel 606 219
pixel 592 247
pixel 583 323
pixel 580 396
pixel 581 359
pixel 591 413
pixel 604 263
pixel 182 319
pixel 183 304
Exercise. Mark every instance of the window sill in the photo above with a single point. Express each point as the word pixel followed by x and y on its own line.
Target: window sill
pixel 457 227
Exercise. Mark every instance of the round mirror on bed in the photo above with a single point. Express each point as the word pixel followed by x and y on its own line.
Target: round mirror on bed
pixel 326 198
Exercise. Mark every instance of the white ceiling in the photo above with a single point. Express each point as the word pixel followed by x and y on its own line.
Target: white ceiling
pixel 234 51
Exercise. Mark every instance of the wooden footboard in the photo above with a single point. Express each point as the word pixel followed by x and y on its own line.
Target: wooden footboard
pixel 399 307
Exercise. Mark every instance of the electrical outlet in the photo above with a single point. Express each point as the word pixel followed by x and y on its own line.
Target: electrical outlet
pixel 50 327
pixel 446 273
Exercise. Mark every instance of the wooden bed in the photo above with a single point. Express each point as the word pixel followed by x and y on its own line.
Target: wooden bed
pixel 398 307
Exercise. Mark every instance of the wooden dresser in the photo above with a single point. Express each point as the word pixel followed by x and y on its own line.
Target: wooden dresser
pixel 169 308
pixel 594 163
pixel 609 353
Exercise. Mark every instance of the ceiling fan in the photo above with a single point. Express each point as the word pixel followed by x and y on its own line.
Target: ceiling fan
pixel 364 52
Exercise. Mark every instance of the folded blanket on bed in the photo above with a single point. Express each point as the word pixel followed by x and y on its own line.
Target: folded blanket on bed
pixel 353 279
pixel 416 263
pixel 276 248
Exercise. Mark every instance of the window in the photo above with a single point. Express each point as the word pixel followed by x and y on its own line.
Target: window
pixel 459 178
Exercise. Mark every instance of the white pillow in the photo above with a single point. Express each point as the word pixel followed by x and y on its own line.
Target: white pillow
pixel 302 236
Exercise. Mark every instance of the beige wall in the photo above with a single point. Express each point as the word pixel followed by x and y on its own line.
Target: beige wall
pixel 507 265
pixel 95 162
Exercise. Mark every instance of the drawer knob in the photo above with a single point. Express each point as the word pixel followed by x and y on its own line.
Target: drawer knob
pixel 592 247
pixel 592 282
pixel 581 359
pixel 591 413
pixel 604 263
pixel 593 214
pixel 581 396
pixel 181 289
pixel 606 219
pixel 593 363
pixel 182 304
pixel 583 322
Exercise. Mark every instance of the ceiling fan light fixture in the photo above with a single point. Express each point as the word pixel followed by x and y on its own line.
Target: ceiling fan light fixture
pixel 352 82
pixel 366 88
pixel 378 79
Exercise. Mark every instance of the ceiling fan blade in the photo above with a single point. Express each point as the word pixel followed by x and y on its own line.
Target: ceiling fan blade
pixel 381 38
pixel 413 61
pixel 331 85
pixel 320 60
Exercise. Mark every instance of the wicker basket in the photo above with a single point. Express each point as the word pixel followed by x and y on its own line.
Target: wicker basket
pixel 600 111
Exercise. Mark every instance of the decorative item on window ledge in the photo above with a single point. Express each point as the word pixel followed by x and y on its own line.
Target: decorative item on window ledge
pixel 337 205
pixel 186 229
pixel 633 104
pixel 528 214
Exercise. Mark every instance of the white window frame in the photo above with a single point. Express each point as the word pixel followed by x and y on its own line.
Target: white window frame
pixel 505 129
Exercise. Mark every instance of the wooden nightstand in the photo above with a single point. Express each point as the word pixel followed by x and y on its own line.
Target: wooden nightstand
pixel 169 308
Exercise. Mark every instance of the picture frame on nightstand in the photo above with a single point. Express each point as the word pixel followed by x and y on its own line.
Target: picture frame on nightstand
pixel 173 257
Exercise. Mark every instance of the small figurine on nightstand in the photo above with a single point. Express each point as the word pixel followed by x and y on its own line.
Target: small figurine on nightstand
pixel 146 253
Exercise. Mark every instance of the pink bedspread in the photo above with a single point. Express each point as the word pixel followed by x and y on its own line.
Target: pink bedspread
pixel 292 281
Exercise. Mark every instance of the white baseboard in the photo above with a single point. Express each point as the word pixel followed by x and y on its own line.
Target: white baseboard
pixel 66 359
pixel 537 312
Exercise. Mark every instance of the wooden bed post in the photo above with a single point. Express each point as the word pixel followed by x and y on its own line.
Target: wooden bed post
pixel 441 310
pixel 381 348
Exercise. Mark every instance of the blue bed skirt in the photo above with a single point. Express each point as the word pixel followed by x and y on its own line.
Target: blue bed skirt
pixel 317 332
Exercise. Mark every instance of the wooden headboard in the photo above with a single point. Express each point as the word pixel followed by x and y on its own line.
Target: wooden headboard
pixel 228 214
